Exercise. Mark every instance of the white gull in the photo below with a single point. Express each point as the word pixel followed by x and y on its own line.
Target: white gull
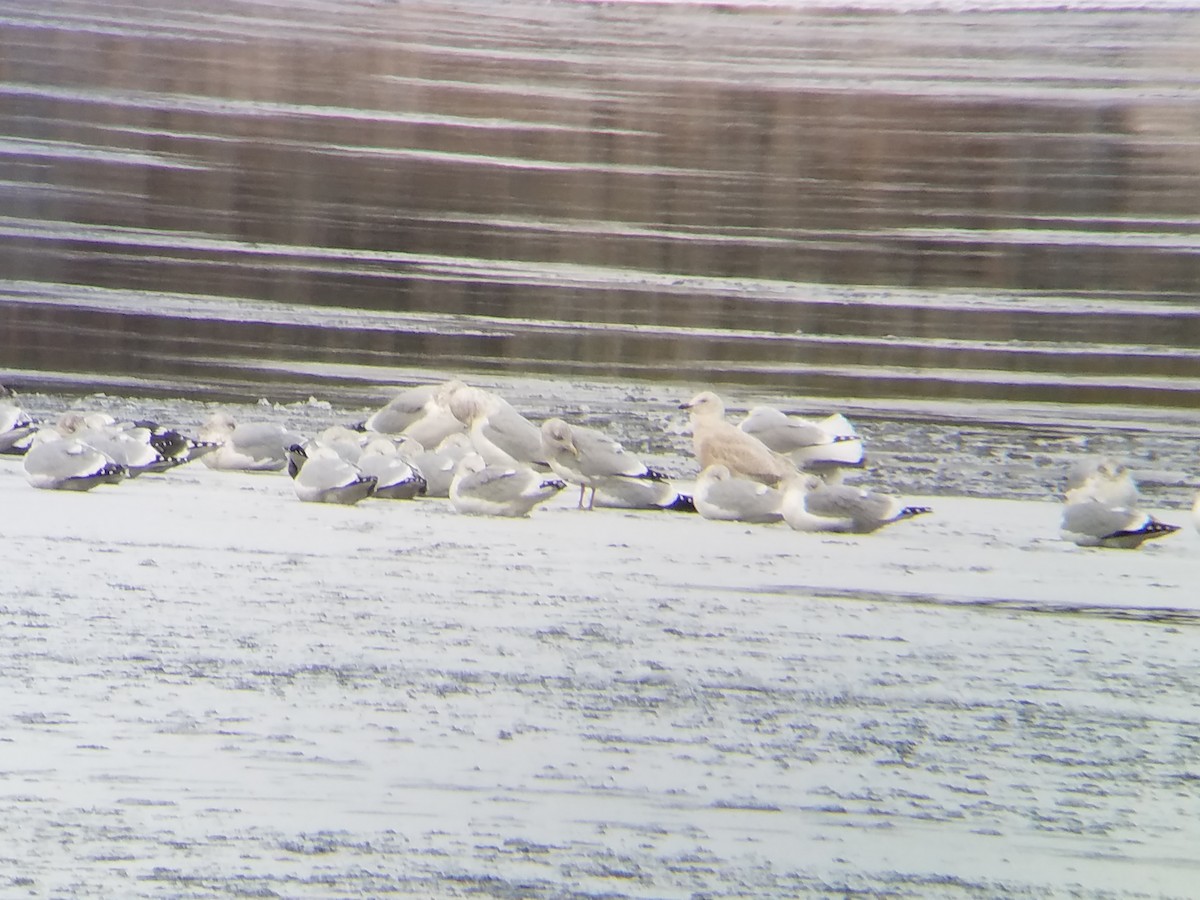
pixel 488 490
pixel 809 504
pixel 591 459
pixel 719 494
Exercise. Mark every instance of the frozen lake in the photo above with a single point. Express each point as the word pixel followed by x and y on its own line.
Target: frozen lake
pixel 215 690
pixel 970 226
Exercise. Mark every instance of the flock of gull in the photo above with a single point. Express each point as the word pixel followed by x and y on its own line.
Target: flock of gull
pixel 469 445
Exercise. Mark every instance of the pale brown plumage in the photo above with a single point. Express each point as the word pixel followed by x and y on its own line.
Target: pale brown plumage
pixel 717 442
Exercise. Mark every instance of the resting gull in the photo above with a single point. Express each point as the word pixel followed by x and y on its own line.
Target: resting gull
pixel 719 494
pixel 590 459
pixel 247 446
pixel 829 442
pixel 809 504
pixel 59 463
pixel 422 413
pixel 396 476
pixel 639 493
pixel 438 465
pixel 500 434
pixel 1094 523
pixel 717 442
pixel 489 490
pixel 319 475
pixel 1104 480
pixel 16 425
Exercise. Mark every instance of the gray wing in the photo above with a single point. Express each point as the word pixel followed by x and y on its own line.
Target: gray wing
pixel 780 432
pixel 264 440
pixel 58 460
pixel 840 502
pixel 402 410
pixel 514 434
pixel 600 456
pixel 1098 520
pixel 746 499
pixel 495 484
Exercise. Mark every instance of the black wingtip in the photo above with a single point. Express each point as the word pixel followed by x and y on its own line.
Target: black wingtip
pixel 682 503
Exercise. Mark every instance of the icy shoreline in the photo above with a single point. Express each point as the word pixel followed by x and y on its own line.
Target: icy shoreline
pixel 214 688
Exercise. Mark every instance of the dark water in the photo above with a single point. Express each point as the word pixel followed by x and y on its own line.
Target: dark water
pixel 230 197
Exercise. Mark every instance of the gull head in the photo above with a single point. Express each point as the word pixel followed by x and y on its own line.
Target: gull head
pixel 556 435
pixel 705 405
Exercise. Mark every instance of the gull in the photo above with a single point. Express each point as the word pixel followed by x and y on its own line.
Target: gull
pixel 140 446
pixel 1094 523
pixel 716 441
pixel 829 442
pixel 809 504
pixel 401 411
pixel 345 442
pixel 58 463
pixel 488 490
pixel 124 444
pixel 719 494
pixel 16 425
pixel 590 459
pixel 641 493
pixel 1104 480
pixel 421 413
pixel 319 475
pixel 438 465
pixel 396 477
pixel 175 447
pixel 500 434
pixel 249 446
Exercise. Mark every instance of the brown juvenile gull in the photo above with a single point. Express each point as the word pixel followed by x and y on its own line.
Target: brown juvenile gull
pixel 717 442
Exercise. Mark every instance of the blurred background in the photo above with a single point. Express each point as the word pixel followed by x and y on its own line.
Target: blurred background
pixel 878 205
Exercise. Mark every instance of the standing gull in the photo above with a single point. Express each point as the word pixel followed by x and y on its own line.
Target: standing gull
pixel 721 495
pixel 717 442
pixel 590 459
pixel 484 490
pixel 809 504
